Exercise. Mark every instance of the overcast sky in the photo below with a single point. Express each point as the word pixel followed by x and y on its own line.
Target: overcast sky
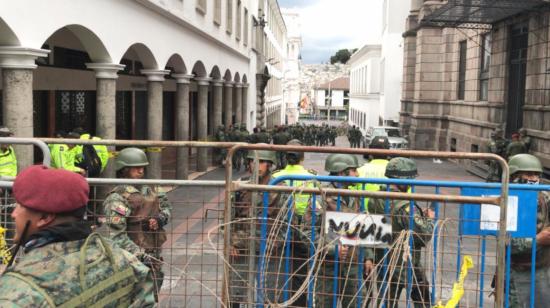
pixel 329 25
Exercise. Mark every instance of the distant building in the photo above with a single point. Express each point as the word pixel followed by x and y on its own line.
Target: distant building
pixel 291 83
pixel 365 107
pixel 332 99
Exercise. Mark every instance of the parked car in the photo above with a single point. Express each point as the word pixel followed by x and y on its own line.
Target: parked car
pixel 397 141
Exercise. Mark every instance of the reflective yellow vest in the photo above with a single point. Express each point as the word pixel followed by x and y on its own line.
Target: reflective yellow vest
pixel 101 150
pixel 300 200
pixel 8 163
pixel 64 158
pixel 375 169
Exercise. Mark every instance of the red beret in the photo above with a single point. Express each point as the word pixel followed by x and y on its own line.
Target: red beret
pixel 50 190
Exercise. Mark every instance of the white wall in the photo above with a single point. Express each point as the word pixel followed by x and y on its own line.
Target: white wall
pixel 337 98
pixel 320 97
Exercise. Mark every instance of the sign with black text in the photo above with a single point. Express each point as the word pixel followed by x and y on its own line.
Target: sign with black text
pixel 358 229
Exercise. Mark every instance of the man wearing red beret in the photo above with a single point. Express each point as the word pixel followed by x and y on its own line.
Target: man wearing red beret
pixel 58 245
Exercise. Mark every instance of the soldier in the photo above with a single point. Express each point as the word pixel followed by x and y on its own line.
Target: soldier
pixel 280 138
pixel 300 204
pixel 333 134
pixel 352 136
pixel 8 160
pixel 247 205
pixel 50 205
pixel 405 168
pixel 264 136
pixel 497 146
pixel 525 139
pixel 348 256
pixel 516 146
pixel 254 137
pixel 220 137
pixel 527 169
pixel 136 216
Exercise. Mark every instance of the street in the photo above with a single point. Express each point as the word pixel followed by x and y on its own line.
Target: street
pixel 196 273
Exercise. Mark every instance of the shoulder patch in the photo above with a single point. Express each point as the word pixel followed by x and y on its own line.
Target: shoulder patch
pixel 121 209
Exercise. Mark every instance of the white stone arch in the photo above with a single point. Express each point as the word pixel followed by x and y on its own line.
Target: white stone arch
pixel 244 79
pixel 144 54
pixel 91 43
pixel 227 75
pixel 7 36
pixel 237 77
pixel 199 70
pixel 177 64
pixel 215 73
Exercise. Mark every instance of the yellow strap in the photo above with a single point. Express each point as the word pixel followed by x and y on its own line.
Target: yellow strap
pixel 33 285
pixel 154 149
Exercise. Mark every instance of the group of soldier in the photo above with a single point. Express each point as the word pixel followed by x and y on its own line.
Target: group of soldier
pixel 110 257
pixel 307 218
pixel 520 143
pixel 354 136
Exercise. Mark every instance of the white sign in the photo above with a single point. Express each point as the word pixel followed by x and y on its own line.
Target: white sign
pixel 358 229
pixel 490 215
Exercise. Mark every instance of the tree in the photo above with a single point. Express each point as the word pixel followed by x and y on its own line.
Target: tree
pixel 341 56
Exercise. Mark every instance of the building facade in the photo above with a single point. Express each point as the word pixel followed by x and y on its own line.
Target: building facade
pixel 332 100
pixel 364 108
pixel 466 74
pixel 144 69
pixel 292 76
pixel 275 55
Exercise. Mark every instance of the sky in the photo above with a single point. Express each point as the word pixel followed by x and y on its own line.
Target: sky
pixel 330 25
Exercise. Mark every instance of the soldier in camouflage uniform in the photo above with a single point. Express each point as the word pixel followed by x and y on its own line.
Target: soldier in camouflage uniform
pixel 527 169
pixel 515 147
pixel 497 146
pixel 136 216
pixel 525 139
pixel 220 137
pixel 405 168
pixel 348 280
pixel 332 135
pixel 281 138
pixel 248 204
pixel 58 246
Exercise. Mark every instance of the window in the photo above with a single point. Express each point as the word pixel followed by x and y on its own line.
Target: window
pixel 462 70
pixel 238 28
pixel 453 145
pixel 484 68
pixel 245 28
pixel 201 6
pixel 474 148
pixel 382 75
pixel 218 12
pixel 229 16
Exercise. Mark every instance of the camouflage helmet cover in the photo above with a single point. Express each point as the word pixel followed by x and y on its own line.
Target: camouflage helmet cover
pixel 524 163
pixel 340 162
pixel 131 157
pixel 263 155
pixel 401 168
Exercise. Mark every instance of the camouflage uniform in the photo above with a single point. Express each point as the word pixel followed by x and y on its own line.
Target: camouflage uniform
pixel 515 148
pixel 520 267
pixel 525 139
pixel 47 275
pixel 497 146
pixel 220 137
pixel 127 213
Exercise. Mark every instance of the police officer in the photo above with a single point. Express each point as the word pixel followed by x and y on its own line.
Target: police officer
pixel 348 281
pixel 57 246
pixel 64 155
pixel 300 204
pixel 515 147
pixel 245 206
pixel 527 169
pixel 405 168
pixel 376 167
pixel 136 216
pixel 8 160
pixel 100 149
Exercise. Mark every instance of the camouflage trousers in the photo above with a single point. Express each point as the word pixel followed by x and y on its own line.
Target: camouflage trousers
pixel 347 290
pixel 520 287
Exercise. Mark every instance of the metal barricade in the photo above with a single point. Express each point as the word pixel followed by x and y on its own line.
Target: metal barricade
pixel 264 280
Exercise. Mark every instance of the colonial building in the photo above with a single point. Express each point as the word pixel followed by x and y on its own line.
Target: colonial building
pixel 332 99
pixel 144 69
pixel 291 94
pixel 472 67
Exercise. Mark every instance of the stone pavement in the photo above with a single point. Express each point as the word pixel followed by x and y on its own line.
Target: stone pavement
pixel 189 247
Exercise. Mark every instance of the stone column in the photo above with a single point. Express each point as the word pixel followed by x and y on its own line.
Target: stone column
pixel 245 103
pixel 238 102
pixel 155 79
pixel 17 64
pixel 217 101
pixel 106 76
pixel 202 114
pixel 228 103
pixel 182 124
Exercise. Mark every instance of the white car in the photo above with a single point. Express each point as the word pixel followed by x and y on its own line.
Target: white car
pixel 397 142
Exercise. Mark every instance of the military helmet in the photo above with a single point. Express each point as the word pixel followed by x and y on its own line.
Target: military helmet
pixel 380 142
pixel 5 132
pixel 131 157
pixel 339 162
pixel 524 163
pixel 401 168
pixel 263 155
